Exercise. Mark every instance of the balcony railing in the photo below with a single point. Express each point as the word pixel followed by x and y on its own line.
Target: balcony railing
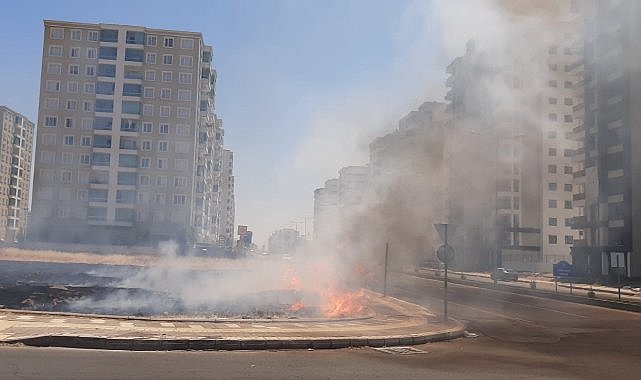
pixel 580 173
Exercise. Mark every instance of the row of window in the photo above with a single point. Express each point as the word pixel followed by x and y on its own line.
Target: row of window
pixel 104 141
pixel 552 169
pixel 554 83
pixel 554 222
pixel 555 117
pixel 111 35
pixel 128 107
pixel 109 71
pixel 552 186
pixel 111 53
pixel 553 203
pixel 124 160
pixel 126 125
pixel 66 176
pixel 552 152
pixel 566 101
pixel 553 239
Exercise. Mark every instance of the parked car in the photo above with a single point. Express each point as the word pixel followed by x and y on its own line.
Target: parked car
pixel 502 274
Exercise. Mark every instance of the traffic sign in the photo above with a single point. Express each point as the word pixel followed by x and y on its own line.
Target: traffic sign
pixel 445 253
pixel 563 269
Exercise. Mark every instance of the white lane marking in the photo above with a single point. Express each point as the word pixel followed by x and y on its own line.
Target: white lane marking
pixel 24 317
pixel 3 316
pixel 303 325
pixel 57 320
pixel 232 325
pixel 502 316
pixel 97 321
pixel 5 336
pixel 126 324
pixel 545 308
pixel 196 327
pixel 258 326
pixel 167 324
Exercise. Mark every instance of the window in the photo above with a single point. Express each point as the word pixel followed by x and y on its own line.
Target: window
pixel 72 87
pixel 69 140
pixel 145 145
pixel 51 103
pixel 48 139
pixel 165 111
pixel 85 141
pixel 48 157
pixel 131 107
pixel 90 87
pixel 143 180
pixel 52 86
pixel 131 89
pixel 147 127
pixel 567 101
pixel 180 164
pixel 151 58
pixel 552 100
pixel 145 163
pixel 552 222
pixel 567 118
pixel 105 70
pixel 552 239
pixel 182 147
pixel 105 88
pixel 186 43
pixel 54 68
pixel 69 123
pixel 552 169
pixel 74 52
pixel 184 95
pixel 126 178
pixel 128 161
pixel 150 75
pixel 51 121
pixel 180 199
pixel 103 123
pixel 109 35
pixel 162 163
pixel 74 69
pixel 567 51
pixel 161 180
pixel 148 110
pixel 110 53
pixel 163 146
pixel 185 78
pixel 163 129
pixel 92 53
pixel 180 181
pixel 134 55
pixel 76 35
pixel 87 106
pixel 165 93
pixel 567 170
pixel 552 50
pixel 166 76
pixel 132 37
pixel 57 33
pixel 55 51
pixel 65 176
pixel 553 83
pixel 72 104
pixel 159 198
pixel 184 112
pixel 182 130
pixel 552 186
pixel 167 59
pixel 551 134
pixel 92 35
pixel 552 117
pixel 567 84
pixel 128 125
pixel 567 205
pixel 149 92
pixel 186 61
pixel 104 105
pixel 552 66
pixel 168 42
pixel 551 151
pixel 67 158
pixel 569 239
pixel 552 203
pixel 151 40
pixel 567 187
pixel 85 159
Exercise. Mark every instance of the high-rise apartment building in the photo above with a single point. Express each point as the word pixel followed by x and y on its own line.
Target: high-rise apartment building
pixel 129 148
pixel 608 182
pixel 227 201
pixel 16 150
pixel 512 142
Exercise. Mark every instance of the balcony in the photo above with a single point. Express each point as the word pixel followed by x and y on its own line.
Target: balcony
pixel 579 222
pixel 578 197
pixel 578 174
pixel 128 145
pixel 578 107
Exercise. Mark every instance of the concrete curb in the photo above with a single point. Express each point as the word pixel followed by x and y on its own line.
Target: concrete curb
pixel 627 306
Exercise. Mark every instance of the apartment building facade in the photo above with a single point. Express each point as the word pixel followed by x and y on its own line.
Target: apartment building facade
pixel 512 141
pixel 228 202
pixel 608 182
pixel 129 145
pixel 16 150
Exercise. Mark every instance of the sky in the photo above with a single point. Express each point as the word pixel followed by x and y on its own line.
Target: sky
pixel 303 86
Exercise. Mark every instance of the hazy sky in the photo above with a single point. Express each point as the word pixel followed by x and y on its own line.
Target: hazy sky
pixel 303 86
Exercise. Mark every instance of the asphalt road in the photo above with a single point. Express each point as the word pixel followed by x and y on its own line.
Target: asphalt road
pixel 519 337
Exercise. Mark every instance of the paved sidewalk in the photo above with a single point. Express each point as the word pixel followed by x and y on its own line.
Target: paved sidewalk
pixel 391 322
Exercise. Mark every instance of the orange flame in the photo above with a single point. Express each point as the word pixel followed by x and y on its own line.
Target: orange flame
pixel 296 306
pixel 344 304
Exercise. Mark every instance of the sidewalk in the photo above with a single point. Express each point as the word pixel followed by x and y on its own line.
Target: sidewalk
pixel 392 322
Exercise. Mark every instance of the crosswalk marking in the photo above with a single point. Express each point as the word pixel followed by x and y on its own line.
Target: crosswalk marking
pixel 232 325
pixel 57 320
pixel 126 324
pixel 196 326
pixel 258 326
pixel 25 317
pixel 167 324
pixel 97 321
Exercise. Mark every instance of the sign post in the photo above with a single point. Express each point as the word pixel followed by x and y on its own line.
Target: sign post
pixel 445 254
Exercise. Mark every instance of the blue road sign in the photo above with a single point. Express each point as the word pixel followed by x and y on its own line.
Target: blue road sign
pixel 563 269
